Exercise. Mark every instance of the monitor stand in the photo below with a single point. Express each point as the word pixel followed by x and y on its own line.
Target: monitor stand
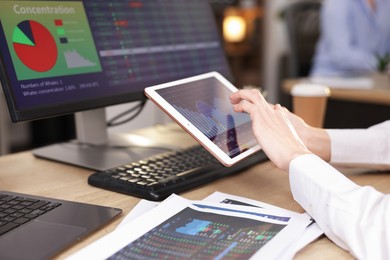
pixel 96 148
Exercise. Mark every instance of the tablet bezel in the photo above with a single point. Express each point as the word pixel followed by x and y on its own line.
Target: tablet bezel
pixel 219 154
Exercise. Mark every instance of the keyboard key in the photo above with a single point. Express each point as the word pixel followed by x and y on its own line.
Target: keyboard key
pixel 7 227
pixel 38 204
pixel 21 221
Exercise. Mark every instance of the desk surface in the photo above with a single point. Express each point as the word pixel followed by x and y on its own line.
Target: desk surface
pixel 373 96
pixel 24 173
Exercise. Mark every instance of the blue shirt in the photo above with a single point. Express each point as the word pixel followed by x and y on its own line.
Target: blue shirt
pixel 352 34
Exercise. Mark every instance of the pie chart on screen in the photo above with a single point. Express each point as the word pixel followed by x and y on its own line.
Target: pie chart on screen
pixel 35 46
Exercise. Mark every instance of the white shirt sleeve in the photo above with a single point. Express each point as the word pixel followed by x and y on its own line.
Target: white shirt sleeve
pixel 368 147
pixel 355 218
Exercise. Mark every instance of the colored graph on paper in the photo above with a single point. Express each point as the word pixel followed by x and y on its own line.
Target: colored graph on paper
pixel 191 234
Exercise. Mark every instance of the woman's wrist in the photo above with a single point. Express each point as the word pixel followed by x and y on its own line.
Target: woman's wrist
pixel 317 141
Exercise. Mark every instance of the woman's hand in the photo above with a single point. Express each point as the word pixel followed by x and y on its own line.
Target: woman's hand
pixel 271 127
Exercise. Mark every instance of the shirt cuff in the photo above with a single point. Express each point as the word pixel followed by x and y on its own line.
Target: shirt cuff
pixel 311 180
pixel 358 146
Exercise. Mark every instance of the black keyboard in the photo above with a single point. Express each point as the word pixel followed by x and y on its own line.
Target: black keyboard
pixel 159 176
pixel 17 210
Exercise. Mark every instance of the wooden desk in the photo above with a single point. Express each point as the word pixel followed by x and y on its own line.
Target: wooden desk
pixel 24 173
pixel 372 96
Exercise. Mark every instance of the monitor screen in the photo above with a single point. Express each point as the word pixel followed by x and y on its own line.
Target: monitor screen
pixel 60 57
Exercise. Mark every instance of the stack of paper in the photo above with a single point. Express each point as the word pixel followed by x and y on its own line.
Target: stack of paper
pixel 222 226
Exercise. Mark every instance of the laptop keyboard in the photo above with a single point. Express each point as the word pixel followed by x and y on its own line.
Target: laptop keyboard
pixel 157 177
pixel 18 210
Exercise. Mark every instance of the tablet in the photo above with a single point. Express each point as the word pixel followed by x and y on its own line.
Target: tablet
pixel 201 106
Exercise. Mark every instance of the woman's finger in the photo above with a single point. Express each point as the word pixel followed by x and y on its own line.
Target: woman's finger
pixel 250 95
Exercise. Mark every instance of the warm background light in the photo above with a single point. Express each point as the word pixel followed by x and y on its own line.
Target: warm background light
pixel 234 28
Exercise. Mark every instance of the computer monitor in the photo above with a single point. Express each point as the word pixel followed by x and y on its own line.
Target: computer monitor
pixel 61 57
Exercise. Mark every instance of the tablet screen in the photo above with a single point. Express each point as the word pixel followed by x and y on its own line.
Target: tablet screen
pixel 206 104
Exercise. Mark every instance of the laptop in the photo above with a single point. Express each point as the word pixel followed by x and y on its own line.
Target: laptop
pixel 34 227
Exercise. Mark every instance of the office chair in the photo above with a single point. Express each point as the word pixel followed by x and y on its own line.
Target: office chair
pixel 303 28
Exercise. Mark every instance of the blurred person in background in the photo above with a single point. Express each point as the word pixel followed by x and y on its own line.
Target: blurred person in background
pixel 354 34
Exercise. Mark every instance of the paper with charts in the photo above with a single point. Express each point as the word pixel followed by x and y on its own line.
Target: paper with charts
pixel 182 229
